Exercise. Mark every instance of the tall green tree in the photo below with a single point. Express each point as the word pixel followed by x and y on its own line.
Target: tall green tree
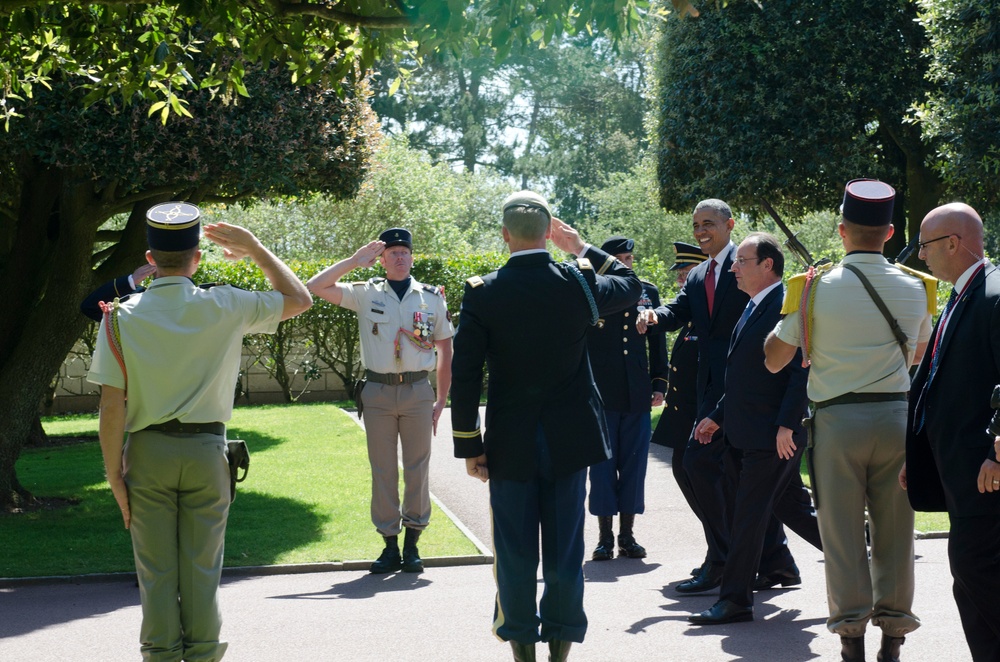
pixel 66 171
pixel 962 113
pixel 316 41
pixel 792 102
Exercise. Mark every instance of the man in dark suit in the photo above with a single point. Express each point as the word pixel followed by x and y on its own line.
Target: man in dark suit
pixel 630 383
pixel 761 414
pixel 544 419
pixel 951 462
pixel 680 404
pixel 711 301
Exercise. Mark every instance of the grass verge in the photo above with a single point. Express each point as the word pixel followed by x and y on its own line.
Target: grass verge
pixel 305 500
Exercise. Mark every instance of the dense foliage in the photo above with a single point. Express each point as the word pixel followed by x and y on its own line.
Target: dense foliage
pixel 792 102
pixel 133 50
pixel 961 114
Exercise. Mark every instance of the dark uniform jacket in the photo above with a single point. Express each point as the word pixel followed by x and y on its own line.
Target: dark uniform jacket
pixel 624 376
pixel 109 291
pixel 528 323
pixel 944 458
pixel 680 406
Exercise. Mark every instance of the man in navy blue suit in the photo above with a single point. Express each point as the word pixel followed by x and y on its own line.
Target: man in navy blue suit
pixel 545 425
pixel 951 461
pixel 761 414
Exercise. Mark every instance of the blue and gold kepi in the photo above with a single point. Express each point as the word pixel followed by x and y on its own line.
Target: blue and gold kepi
pixel 687 255
pixel 397 237
pixel 173 226
pixel 868 202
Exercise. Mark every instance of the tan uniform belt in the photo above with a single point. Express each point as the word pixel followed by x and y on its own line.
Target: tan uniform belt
pixel 395 378
pixel 858 398
pixel 176 427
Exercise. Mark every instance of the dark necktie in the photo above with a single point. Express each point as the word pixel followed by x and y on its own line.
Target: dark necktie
pixel 710 285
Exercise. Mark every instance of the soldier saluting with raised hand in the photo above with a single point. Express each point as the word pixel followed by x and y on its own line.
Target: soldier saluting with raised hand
pixel 405 333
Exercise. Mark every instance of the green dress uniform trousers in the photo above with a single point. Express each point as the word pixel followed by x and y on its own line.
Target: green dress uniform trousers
pixel 179 497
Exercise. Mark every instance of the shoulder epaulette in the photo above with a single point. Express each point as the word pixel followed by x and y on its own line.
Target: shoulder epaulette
pixel 376 280
pixel 930 286
pixel 433 289
pixel 208 286
pixel 646 282
pixel 584 263
pixel 793 294
pixel 475 281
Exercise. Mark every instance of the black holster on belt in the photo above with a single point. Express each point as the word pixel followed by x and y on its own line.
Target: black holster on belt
pixel 239 458
pixel 810 453
pixel 358 387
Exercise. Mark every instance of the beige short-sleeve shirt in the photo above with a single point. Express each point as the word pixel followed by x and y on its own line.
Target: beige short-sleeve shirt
pixel 852 349
pixel 383 318
pixel 182 346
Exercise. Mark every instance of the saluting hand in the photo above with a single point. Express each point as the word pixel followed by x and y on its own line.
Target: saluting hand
pixel 367 255
pixel 565 237
pixel 236 242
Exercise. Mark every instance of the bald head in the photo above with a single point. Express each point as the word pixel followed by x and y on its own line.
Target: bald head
pixel 951 238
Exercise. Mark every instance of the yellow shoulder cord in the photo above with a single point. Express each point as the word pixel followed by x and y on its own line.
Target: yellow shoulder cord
pixel 805 313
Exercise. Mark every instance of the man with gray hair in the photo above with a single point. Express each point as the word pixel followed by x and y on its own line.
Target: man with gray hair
pixel 545 425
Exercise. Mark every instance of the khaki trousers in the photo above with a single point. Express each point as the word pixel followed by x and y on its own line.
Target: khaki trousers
pixel 397 416
pixel 859 450
pixel 178 489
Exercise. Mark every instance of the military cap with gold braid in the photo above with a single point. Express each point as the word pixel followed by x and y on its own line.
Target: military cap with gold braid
pixel 173 226
pixel 687 255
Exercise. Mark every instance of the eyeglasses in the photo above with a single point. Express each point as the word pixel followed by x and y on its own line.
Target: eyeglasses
pixel 922 244
pixel 743 260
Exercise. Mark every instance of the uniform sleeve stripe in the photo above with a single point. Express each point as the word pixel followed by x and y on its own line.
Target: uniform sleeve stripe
pixel 607 264
pixel 465 435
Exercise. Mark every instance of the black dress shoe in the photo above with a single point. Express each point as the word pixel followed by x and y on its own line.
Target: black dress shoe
pixel 523 652
pixel 889 652
pixel 629 548
pixel 721 612
pixel 786 577
pixel 710 577
pixel 852 649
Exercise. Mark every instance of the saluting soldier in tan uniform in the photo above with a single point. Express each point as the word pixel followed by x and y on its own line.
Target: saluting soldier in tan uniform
pixel 858 384
pixel 402 323
pixel 174 350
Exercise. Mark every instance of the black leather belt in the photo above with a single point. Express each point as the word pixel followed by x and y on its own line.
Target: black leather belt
pixel 858 398
pixel 176 427
pixel 395 378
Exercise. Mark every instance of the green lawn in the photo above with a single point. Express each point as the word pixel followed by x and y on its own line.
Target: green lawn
pixel 306 499
pixel 925 522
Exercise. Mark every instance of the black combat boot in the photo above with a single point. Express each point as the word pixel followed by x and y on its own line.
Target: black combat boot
pixel 389 560
pixel 411 557
pixel 523 652
pixel 627 546
pixel 852 649
pixel 889 652
pixel 605 549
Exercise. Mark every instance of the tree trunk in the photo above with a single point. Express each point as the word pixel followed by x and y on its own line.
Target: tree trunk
pixel 49 266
